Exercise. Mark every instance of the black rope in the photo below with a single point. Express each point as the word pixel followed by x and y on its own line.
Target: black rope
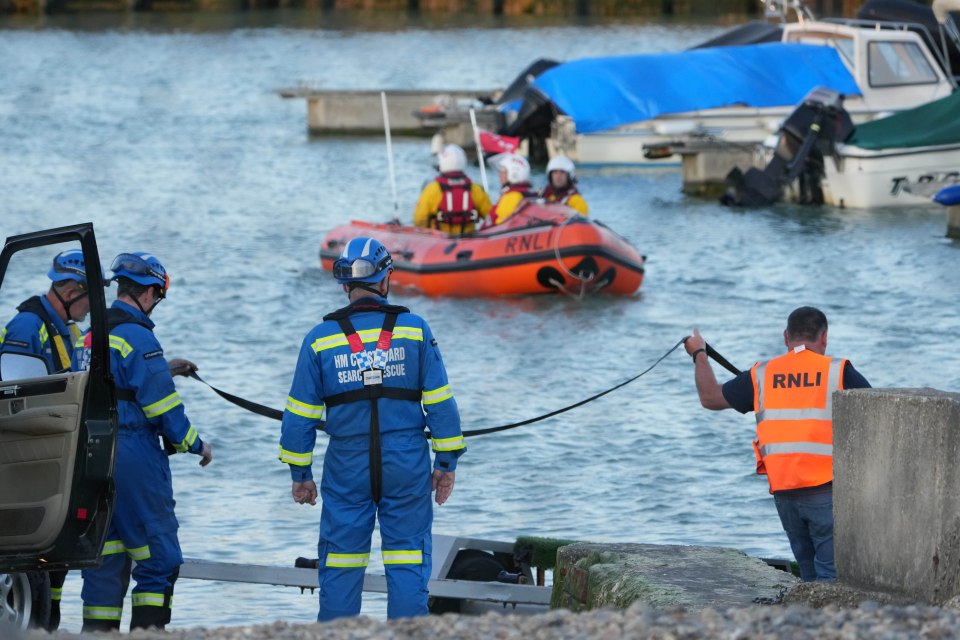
pixel 259 409
pixel 278 415
pixel 480 432
pixel 721 360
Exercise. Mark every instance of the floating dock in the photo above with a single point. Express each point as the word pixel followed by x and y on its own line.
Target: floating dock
pixel 360 112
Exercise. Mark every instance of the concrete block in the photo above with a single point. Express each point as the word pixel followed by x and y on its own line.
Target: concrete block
pixel 953 222
pixel 588 576
pixel 896 503
pixel 704 167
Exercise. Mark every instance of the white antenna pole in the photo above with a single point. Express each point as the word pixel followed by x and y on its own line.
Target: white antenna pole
pixel 476 141
pixel 393 179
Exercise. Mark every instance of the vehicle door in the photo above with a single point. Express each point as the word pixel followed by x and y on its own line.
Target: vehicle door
pixel 58 431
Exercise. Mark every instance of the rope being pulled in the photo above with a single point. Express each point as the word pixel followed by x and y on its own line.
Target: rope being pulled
pixel 480 432
pixel 276 414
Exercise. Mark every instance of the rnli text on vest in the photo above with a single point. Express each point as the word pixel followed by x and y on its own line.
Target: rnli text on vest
pixel 790 380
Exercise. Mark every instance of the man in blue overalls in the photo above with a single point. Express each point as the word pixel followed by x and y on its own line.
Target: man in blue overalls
pixel 46 325
pixel 144 525
pixel 371 376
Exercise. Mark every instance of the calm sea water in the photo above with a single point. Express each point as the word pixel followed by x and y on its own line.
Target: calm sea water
pixel 168 134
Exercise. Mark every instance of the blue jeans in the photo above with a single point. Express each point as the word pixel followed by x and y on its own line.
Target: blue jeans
pixel 808 520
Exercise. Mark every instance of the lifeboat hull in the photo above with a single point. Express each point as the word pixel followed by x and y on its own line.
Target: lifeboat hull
pixel 542 248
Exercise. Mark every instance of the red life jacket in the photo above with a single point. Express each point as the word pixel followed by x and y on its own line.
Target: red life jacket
pixel 456 203
pixel 521 187
pixel 553 195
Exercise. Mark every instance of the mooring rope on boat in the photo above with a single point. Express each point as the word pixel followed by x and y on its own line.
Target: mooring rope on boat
pixel 561 286
pixel 276 414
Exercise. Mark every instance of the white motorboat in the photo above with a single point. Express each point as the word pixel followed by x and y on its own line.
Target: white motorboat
pixel 736 89
pixel 892 66
pixel 820 157
pixel 886 162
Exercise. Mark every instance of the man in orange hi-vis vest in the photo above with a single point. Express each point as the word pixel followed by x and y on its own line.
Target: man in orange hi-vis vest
pixel 792 397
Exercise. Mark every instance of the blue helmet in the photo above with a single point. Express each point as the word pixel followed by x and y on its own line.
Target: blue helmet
pixel 68 265
pixel 143 268
pixel 362 260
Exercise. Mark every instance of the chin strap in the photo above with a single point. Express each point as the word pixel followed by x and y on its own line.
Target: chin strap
pixel 67 305
pixel 366 287
pixel 136 301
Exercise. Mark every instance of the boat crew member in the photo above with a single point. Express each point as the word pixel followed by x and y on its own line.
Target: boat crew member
pixel 144 526
pixel 562 185
pixel 371 376
pixel 46 326
pixel 515 186
pixel 451 202
pixel 791 396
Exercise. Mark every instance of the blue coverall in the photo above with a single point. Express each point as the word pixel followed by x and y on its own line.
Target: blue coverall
pixel 144 525
pixel 327 367
pixel 28 333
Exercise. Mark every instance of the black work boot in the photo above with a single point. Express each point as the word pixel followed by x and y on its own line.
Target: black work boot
pixel 149 617
pixel 56 589
pixel 92 626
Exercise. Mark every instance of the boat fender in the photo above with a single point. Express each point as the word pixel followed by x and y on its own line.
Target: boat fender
pixel 948 196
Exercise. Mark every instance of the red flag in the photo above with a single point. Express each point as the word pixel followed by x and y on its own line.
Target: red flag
pixel 495 143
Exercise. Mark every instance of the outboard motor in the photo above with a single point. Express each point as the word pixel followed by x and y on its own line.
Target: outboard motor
pixel 809 133
pixel 533 122
pixel 516 89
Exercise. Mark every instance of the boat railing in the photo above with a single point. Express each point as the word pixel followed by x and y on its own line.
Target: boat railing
pixel 879 25
pixel 780 9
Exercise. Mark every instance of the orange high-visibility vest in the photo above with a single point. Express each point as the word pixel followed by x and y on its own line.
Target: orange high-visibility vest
pixel 793 402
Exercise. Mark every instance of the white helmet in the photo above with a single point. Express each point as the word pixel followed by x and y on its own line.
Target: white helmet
pixel 452 158
pixel 561 163
pixel 517 168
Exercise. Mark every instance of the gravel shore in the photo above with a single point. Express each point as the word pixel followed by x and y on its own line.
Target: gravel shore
pixel 810 611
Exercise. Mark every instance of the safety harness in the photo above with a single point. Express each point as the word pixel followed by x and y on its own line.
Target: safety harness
pixel 372 364
pixel 456 202
pixel 559 195
pixel 523 188
pixel 115 318
pixel 35 306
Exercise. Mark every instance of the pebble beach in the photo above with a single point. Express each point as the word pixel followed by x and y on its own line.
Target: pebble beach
pixel 809 611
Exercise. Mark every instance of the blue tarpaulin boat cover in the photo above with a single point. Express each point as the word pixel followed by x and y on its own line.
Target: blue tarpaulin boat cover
pixel 602 93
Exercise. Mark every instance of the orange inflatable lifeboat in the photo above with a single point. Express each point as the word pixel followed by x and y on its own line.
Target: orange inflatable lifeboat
pixel 542 248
